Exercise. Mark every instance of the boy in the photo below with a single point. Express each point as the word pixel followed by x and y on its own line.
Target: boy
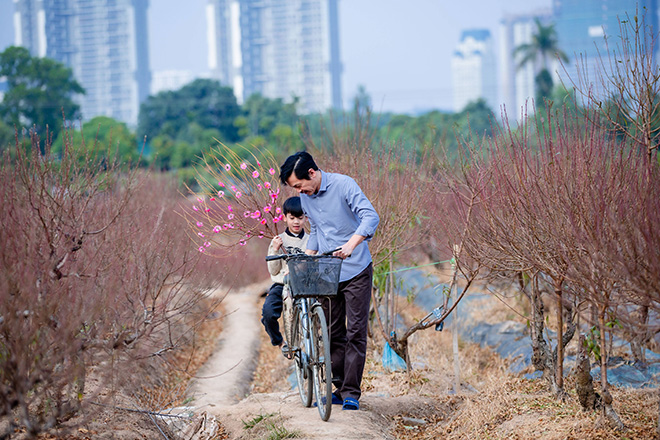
pixel 293 240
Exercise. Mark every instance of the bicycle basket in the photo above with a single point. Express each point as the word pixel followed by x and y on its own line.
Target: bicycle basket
pixel 314 275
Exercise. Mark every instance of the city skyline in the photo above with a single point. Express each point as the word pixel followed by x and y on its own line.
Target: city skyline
pixel 396 53
pixel 402 55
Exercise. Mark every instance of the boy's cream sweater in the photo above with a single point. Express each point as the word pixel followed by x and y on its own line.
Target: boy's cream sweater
pixel 293 244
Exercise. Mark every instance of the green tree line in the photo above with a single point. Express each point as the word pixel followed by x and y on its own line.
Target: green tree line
pixel 175 127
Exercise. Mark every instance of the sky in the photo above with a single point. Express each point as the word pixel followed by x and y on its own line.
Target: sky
pixel 400 51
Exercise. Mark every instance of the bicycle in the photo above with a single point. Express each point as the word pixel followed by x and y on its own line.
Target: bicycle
pixel 310 277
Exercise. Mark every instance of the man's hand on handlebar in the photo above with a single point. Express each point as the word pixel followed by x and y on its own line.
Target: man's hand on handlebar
pixel 344 252
pixel 347 249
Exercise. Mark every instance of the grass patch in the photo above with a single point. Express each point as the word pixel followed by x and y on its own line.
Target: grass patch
pixel 269 427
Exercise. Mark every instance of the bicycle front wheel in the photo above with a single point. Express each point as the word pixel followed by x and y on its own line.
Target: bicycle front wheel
pixel 321 365
pixel 301 357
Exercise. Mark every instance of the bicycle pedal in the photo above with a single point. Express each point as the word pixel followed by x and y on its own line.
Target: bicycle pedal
pixel 287 352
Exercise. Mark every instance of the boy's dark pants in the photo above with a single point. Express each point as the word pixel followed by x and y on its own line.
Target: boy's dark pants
pixel 348 321
pixel 270 313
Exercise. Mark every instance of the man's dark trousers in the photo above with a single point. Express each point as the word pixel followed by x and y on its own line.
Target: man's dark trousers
pixel 348 321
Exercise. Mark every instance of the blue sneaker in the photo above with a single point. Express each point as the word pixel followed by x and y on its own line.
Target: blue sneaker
pixel 350 404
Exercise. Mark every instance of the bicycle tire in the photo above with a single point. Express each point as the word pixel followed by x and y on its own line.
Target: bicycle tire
pixel 301 358
pixel 321 362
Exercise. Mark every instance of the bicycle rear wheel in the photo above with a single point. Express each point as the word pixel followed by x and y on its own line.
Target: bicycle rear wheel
pixel 301 358
pixel 321 365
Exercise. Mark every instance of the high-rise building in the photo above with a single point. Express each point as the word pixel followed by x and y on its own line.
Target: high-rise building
pixel 473 69
pixel 278 48
pixel 6 24
pixel 583 27
pixel 104 43
pixel 517 81
pixel 6 35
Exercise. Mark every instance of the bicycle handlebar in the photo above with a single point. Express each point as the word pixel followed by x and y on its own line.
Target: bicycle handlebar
pixel 286 256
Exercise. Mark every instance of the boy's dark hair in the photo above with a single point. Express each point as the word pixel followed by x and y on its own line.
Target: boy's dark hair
pixel 299 164
pixel 292 206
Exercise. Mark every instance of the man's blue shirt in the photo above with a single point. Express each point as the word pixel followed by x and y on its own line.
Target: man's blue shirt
pixel 336 212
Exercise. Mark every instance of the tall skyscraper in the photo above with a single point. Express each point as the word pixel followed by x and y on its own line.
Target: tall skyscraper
pixel 6 34
pixel 278 48
pixel 517 82
pixel 583 26
pixel 104 43
pixel 473 69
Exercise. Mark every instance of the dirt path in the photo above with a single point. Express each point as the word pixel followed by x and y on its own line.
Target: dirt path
pixel 226 377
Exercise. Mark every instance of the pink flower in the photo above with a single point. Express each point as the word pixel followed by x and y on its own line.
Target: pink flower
pixel 259 186
pixel 201 249
pixel 264 221
pixel 281 217
pixel 238 194
pixel 266 185
pixel 229 208
pixel 258 163
pixel 242 242
pixel 221 193
pixel 212 199
pixel 207 209
pixel 266 208
pixel 261 234
pixel 217 228
pixel 246 214
pixel 256 214
pixel 276 219
pixel 200 224
pixel 255 174
pixel 207 244
pixel 233 188
pixel 227 167
pixel 278 210
pixel 243 166
pixel 230 216
pixel 200 234
pixel 271 171
pixel 200 200
pixel 195 208
pixel 248 234
pixel 222 185
pixel 225 226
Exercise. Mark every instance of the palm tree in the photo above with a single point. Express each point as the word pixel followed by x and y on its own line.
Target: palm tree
pixel 544 44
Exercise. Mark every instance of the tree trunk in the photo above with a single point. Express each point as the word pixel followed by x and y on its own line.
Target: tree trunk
pixel 559 365
pixel 584 384
pixel 541 354
pixel 608 410
pixel 640 336
pixel 603 349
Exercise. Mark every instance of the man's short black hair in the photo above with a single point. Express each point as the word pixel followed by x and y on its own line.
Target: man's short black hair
pixel 292 206
pixel 299 164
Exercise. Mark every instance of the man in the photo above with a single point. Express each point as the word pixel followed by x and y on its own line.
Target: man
pixel 340 217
